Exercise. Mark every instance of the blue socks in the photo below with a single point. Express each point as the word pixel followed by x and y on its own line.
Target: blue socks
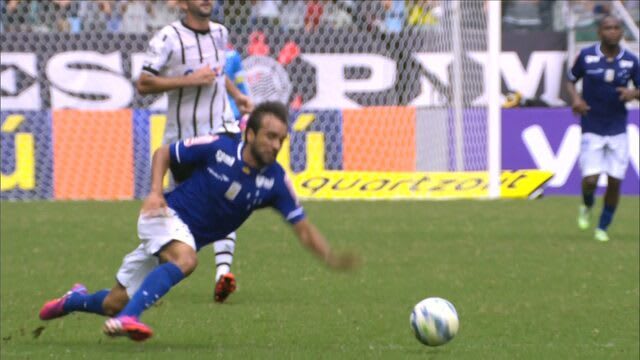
pixel 91 303
pixel 606 216
pixel 155 285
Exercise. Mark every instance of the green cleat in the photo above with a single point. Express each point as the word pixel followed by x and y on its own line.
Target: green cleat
pixel 601 235
pixel 584 217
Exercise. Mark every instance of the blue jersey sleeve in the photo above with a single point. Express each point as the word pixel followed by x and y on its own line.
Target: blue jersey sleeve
pixel 239 76
pixel 234 71
pixel 577 70
pixel 286 201
pixel 194 151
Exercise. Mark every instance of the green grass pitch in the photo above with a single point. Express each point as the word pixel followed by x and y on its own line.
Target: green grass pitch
pixel 526 282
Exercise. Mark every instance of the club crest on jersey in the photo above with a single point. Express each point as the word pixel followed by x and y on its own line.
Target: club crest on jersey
pixel 264 182
pixel 225 158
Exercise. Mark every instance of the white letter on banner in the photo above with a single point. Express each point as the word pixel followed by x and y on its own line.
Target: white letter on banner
pixel 109 83
pixel 527 81
pixel 26 99
pixel 561 165
pixel 331 86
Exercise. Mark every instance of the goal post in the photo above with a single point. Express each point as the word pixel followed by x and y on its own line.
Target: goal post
pixel 494 118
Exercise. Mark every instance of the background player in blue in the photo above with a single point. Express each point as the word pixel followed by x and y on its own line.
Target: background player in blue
pixel 231 179
pixel 605 69
pixel 234 71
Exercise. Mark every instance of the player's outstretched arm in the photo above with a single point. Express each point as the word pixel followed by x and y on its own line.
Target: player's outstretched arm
pixel 311 237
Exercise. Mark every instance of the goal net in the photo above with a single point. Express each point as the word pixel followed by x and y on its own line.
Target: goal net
pixel 387 98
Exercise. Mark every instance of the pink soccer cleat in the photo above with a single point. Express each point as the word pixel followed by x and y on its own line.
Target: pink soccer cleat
pixel 128 326
pixel 55 308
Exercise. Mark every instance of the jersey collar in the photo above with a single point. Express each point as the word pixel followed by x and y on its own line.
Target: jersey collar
pixel 239 151
pixel 201 32
pixel 600 53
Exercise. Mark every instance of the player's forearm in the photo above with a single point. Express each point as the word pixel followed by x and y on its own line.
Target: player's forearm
pixel 573 93
pixel 159 167
pixel 232 89
pixel 312 239
pixel 148 84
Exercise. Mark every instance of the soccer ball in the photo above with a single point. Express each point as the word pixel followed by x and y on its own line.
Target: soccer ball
pixel 434 321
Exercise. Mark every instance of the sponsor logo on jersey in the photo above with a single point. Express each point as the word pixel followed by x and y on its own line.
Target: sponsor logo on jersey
pixel 221 177
pixel 225 158
pixel 264 182
pixel 591 59
pixel 626 64
pixel 200 140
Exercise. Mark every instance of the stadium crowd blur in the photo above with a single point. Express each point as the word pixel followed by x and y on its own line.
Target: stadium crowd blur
pixel 146 16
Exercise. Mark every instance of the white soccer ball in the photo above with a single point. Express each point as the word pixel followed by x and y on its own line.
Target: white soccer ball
pixel 434 321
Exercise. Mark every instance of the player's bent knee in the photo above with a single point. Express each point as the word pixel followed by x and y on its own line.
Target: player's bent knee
pixel 182 255
pixel 187 263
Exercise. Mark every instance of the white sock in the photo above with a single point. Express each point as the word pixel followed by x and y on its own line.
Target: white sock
pixel 223 250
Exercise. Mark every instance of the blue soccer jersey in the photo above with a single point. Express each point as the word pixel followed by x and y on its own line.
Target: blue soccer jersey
pixel 223 190
pixel 234 71
pixel 608 114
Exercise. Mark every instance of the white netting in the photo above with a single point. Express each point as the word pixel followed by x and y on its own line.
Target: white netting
pixel 391 86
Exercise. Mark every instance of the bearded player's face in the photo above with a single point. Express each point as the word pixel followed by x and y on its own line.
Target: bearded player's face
pixel 199 8
pixel 266 144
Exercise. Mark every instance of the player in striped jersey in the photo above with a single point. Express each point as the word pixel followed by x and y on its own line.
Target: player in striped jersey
pixel 186 59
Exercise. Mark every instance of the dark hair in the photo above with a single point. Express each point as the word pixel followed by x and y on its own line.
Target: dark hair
pixel 275 108
pixel 605 18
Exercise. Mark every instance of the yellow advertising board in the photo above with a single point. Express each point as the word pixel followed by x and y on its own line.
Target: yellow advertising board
pixel 343 185
pixel 315 182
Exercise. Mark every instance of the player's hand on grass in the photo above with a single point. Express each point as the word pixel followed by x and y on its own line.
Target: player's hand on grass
pixel 626 94
pixel 580 107
pixel 342 261
pixel 154 205
pixel 203 76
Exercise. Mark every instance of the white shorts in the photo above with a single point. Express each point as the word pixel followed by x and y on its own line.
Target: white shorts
pixel 604 154
pixel 154 233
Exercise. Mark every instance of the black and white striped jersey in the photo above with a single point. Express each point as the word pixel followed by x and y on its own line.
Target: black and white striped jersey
pixel 178 50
